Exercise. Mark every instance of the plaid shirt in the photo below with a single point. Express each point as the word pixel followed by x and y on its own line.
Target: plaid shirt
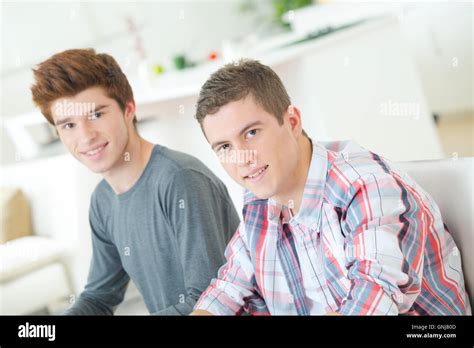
pixel 367 240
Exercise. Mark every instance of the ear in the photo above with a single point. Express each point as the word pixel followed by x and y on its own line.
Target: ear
pixel 130 110
pixel 293 116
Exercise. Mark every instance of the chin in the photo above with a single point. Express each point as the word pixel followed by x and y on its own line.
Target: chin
pixel 102 166
pixel 98 168
pixel 261 193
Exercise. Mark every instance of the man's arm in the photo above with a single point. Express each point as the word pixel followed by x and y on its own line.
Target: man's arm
pixel 107 281
pixel 201 312
pixel 385 241
pixel 235 284
pixel 202 218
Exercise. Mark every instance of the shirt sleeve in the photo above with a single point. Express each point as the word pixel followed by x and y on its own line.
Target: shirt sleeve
pixel 229 293
pixel 203 218
pixel 107 280
pixel 385 228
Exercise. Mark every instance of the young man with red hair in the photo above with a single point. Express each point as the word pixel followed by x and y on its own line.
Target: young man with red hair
pixel 159 217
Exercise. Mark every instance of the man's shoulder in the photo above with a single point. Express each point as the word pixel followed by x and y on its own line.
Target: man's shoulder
pixel 102 196
pixel 101 191
pixel 349 161
pixel 175 166
pixel 352 168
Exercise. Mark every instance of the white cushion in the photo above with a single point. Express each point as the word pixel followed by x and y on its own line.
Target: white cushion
pixel 15 217
pixel 26 254
pixel 34 290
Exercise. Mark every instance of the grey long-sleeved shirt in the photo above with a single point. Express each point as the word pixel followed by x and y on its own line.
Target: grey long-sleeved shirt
pixel 167 233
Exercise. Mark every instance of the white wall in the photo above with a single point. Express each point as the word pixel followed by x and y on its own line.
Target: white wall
pixel 440 36
pixel 356 85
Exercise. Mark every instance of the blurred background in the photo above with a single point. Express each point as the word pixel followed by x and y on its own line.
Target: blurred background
pixel 394 76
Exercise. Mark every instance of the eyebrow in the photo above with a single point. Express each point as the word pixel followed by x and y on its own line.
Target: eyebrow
pixel 63 120
pixel 69 119
pixel 245 129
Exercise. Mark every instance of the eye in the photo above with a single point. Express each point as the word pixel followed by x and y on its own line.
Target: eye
pixel 251 133
pixel 223 147
pixel 95 115
pixel 68 125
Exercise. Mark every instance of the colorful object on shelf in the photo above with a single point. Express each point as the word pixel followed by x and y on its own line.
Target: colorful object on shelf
pixel 158 69
pixel 213 55
pixel 180 61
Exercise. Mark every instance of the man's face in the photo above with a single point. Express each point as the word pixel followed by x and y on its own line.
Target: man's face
pixel 254 149
pixel 93 128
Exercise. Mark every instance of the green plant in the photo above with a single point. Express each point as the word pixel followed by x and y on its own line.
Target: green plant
pixel 283 6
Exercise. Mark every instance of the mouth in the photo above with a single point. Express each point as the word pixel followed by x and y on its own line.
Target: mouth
pixel 257 174
pixel 95 151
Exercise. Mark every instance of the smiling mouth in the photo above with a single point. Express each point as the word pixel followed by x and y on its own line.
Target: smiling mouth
pixel 257 174
pixel 95 150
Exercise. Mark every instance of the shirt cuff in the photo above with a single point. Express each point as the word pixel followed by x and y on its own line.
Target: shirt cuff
pixel 217 302
pixel 371 299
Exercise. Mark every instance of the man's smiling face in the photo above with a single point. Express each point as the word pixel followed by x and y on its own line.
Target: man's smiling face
pixel 93 128
pixel 255 150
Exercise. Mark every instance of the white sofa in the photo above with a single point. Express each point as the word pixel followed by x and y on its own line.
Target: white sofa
pixel 33 276
pixel 45 270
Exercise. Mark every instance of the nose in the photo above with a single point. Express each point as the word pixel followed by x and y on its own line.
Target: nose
pixel 86 133
pixel 246 156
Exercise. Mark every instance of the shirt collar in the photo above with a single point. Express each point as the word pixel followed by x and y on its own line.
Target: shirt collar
pixel 313 193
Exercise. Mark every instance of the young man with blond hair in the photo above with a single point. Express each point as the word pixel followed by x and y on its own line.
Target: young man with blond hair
pixel 328 228
pixel 158 217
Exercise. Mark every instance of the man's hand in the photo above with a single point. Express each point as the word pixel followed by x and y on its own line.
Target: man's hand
pixel 201 312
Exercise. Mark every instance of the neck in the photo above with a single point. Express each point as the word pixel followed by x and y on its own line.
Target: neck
pixel 130 166
pixel 293 196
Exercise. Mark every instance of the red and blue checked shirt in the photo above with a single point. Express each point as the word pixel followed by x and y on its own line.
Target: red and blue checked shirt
pixel 366 240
